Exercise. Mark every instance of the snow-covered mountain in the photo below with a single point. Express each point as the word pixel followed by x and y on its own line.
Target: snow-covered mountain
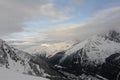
pixel 84 60
pixel 50 49
pixel 24 63
pixel 96 49
pixel 19 61
pixel 89 55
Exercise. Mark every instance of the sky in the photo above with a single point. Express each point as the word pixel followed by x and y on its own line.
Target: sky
pixel 30 22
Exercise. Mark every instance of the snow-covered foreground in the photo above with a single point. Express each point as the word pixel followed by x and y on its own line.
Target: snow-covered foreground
pixel 6 74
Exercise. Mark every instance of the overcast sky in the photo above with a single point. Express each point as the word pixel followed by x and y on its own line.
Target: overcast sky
pixel 29 22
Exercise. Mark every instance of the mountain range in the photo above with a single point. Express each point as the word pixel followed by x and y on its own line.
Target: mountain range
pixel 96 58
pixel 90 56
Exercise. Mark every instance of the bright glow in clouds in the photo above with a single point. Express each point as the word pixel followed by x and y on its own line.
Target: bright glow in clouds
pixel 28 22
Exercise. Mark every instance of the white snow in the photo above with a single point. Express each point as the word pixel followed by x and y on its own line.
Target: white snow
pixel 97 48
pixel 6 74
pixel 18 60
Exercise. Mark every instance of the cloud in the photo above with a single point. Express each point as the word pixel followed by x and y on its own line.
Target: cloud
pixel 101 21
pixel 76 2
pixel 54 13
pixel 24 39
pixel 71 3
pixel 14 13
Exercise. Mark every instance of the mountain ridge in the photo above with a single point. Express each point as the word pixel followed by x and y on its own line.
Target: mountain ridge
pixel 90 55
pixel 25 63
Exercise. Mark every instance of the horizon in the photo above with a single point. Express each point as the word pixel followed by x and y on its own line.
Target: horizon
pixel 28 22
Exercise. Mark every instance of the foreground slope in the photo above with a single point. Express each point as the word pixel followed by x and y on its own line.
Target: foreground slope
pixel 24 63
pixel 6 74
pixel 19 61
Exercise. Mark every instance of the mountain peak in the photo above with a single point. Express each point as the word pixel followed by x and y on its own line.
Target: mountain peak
pixel 113 35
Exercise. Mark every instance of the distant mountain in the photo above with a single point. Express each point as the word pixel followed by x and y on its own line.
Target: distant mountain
pixel 50 49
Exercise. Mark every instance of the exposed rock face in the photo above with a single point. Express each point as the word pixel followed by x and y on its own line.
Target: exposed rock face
pixel 111 68
pixel 113 36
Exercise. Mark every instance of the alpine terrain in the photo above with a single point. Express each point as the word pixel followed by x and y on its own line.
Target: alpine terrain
pixel 96 56
pixel 24 63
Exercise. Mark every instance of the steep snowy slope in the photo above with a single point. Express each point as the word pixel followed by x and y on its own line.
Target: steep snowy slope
pixel 50 48
pixel 88 56
pixel 6 74
pixel 22 62
pixel 96 48
pixel 19 61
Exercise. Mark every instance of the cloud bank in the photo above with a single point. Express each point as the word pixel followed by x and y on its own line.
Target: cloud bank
pixel 14 13
pixel 101 21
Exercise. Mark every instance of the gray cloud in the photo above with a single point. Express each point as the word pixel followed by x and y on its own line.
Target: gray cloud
pixel 14 13
pixel 101 21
